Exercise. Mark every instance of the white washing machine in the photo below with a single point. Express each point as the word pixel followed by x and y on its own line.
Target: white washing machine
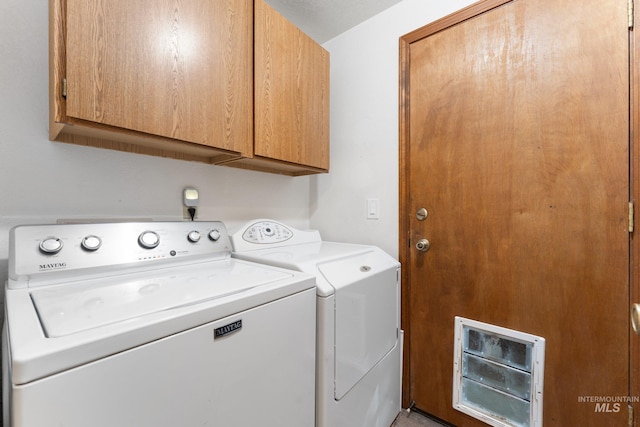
pixel 153 324
pixel 359 359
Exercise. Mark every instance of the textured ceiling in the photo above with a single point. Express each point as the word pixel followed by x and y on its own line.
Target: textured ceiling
pixel 324 19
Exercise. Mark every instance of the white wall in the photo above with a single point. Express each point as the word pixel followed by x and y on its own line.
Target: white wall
pixel 42 181
pixel 364 126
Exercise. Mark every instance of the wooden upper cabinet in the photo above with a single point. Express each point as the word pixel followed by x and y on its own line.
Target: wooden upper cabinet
pixel 164 77
pixel 291 94
pixel 180 78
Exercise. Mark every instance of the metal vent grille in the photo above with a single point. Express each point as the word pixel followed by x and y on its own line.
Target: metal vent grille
pixel 498 374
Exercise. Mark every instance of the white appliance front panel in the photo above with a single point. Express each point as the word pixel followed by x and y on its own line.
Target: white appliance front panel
pixel 192 379
pixel 375 401
pixel 34 355
pixel 366 312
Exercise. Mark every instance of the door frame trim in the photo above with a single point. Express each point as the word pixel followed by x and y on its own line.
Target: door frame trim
pixel 634 183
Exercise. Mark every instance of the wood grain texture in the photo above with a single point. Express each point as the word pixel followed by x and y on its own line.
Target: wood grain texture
pixel 57 66
pixel 162 77
pixel 98 136
pixel 180 70
pixel 516 139
pixel 291 92
pixel 273 166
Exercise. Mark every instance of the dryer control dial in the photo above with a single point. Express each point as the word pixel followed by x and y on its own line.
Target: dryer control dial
pixel 193 236
pixel 149 239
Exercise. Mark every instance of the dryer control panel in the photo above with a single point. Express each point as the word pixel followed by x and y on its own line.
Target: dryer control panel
pixel 267 233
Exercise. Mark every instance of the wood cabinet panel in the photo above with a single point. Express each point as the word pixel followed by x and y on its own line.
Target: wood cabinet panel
pixel 176 79
pixel 179 71
pixel 291 92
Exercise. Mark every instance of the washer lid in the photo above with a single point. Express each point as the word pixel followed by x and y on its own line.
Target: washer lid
pixel 367 318
pixel 68 309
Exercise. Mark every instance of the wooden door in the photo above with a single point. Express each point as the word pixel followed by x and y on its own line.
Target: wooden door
pixel 182 70
pixel 515 138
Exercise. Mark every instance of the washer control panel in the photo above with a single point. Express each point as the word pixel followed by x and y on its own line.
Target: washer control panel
pixel 65 249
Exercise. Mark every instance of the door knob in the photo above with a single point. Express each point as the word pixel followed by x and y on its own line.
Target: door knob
pixel 635 318
pixel 423 245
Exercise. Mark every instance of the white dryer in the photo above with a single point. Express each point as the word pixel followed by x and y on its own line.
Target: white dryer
pixel 359 348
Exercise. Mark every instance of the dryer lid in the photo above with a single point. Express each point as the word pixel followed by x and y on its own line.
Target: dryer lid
pixel 307 257
pixel 356 266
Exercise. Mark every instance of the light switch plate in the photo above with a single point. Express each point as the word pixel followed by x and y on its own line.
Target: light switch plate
pixel 373 208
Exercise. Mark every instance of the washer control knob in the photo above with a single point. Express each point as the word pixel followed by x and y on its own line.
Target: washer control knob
pixel 149 239
pixel 193 236
pixel 214 235
pixel 91 243
pixel 51 245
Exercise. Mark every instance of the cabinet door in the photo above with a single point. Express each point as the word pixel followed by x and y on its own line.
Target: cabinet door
pixel 292 92
pixel 181 70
